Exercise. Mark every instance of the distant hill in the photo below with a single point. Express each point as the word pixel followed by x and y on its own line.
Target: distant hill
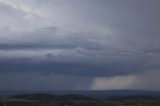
pixel 132 98
pixel 51 97
pixel 98 94
pixel 75 97
pixel 36 96
pixel 122 93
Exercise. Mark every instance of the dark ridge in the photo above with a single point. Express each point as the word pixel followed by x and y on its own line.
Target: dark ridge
pixel 51 97
pixel 103 94
pixel 35 96
pixel 133 98
pixel 75 97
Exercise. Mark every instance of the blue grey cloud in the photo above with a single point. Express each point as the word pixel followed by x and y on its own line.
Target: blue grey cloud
pixel 91 38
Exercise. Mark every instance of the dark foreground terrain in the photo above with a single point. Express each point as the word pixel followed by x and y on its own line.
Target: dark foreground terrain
pixel 72 103
pixel 42 99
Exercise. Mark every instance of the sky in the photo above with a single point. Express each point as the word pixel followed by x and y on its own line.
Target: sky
pixel 79 44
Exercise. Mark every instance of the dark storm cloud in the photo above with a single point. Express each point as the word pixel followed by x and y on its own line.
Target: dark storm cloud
pixel 79 69
pixel 47 38
pixel 123 40
pixel 79 56
pixel 38 81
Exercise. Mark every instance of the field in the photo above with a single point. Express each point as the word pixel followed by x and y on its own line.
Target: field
pixel 12 102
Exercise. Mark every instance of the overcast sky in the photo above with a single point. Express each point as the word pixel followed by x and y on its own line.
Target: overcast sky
pixel 79 44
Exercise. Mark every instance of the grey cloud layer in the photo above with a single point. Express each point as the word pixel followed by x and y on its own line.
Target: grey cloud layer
pixel 121 39
pixel 74 54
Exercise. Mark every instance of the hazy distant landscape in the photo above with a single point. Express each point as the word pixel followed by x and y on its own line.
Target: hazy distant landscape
pixel 78 98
